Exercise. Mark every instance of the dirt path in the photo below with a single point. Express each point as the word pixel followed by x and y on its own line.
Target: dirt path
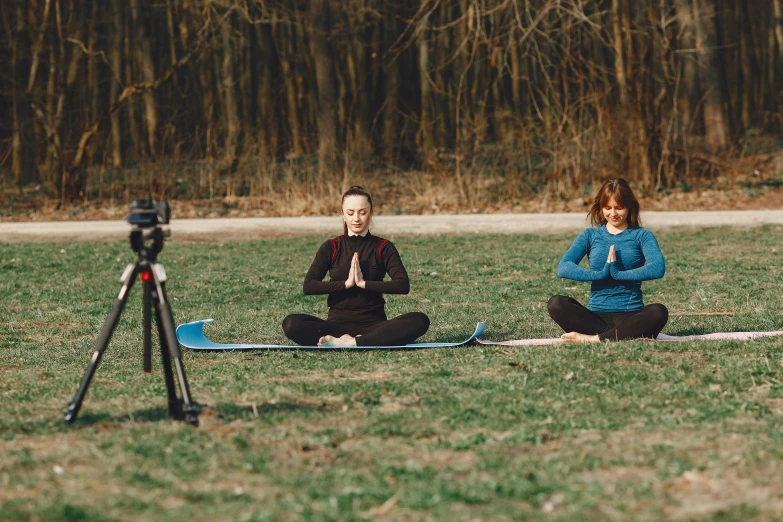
pixel 238 229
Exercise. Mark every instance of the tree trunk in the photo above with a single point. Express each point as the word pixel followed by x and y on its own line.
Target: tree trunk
pixel 73 179
pixel 461 69
pixel 172 33
pixel 442 131
pixel 38 45
pixel 92 65
pixel 619 67
pixel 284 39
pixel 230 109
pixel 501 113
pixel 306 81
pixel 425 123
pixel 143 54
pixel 688 98
pixel 516 70
pixel 268 111
pixel 343 98
pixel 115 59
pixel 715 125
pixel 747 78
pixel 48 166
pixel 326 115
pixel 69 73
pixel 626 17
pixel 137 144
pixel 360 72
pixel 777 7
pixel 777 70
pixel 246 92
pixel 376 82
pixel 477 75
pixel 771 92
pixel 358 135
pixel 390 114
pixel 22 161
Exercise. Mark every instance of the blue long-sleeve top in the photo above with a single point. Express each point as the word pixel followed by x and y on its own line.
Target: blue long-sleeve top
pixel 614 287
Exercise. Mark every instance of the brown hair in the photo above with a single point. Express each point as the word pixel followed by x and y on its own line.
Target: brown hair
pixel 620 190
pixel 356 190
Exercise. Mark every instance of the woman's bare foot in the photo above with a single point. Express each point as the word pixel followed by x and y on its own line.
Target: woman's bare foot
pixel 576 337
pixel 329 340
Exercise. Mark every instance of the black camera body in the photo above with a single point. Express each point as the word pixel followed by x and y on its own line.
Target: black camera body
pixel 147 212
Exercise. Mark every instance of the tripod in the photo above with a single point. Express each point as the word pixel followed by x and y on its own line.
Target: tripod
pixel 153 276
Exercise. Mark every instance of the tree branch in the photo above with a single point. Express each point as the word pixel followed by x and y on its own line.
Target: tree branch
pixel 132 90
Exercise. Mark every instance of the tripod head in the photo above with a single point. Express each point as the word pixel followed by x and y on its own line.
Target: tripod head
pixel 140 236
pixel 146 216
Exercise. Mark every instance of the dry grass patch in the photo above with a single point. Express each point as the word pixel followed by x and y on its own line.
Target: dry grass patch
pixel 337 376
pixel 699 495
pixel 394 403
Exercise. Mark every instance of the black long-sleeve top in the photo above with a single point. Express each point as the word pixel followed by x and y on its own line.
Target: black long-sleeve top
pixel 377 257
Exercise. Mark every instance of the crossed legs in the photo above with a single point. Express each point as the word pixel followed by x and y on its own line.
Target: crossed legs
pixel 308 330
pixel 582 325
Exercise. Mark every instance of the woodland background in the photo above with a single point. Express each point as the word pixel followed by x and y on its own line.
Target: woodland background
pixel 470 101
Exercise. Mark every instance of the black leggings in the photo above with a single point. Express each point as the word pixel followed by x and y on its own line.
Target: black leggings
pixel 614 326
pixel 305 330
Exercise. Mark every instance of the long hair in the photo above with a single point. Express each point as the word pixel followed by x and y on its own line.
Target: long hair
pixel 620 190
pixel 356 190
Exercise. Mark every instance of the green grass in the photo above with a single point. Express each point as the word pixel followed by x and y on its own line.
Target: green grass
pixel 629 430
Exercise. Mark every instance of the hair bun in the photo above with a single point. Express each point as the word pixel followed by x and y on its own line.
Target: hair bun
pixel 356 187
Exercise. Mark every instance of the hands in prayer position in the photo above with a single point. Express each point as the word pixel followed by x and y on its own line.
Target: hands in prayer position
pixel 355 276
pixel 576 337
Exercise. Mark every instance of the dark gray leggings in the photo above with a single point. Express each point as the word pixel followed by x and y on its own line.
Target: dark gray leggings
pixel 572 316
pixel 305 330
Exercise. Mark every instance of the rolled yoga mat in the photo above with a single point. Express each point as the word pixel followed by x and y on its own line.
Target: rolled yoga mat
pixel 191 335
pixel 721 336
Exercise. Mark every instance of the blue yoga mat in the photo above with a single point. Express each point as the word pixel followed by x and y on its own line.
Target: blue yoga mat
pixel 191 335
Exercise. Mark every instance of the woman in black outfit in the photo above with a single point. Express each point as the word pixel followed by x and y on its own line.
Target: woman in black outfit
pixel 356 262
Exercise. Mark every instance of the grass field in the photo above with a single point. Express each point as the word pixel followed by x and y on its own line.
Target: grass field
pixel 630 430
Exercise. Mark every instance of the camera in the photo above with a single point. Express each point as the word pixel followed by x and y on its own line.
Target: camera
pixel 147 212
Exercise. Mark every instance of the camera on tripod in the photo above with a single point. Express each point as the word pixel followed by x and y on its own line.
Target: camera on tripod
pixel 145 216
pixel 147 212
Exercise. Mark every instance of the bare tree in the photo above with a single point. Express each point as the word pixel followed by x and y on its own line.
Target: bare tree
pixel 572 89
pixel 22 166
pixel 329 152
pixel 715 123
pixel 283 33
pixel 143 55
pixel 619 66
pixel 115 53
pixel 777 7
pixel 230 109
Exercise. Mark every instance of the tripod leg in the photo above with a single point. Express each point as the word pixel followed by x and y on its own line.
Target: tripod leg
pixel 147 327
pixel 175 408
pixel 169 341
pixel 127 279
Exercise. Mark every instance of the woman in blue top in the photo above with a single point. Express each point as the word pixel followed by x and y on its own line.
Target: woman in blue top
pixel 622 254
